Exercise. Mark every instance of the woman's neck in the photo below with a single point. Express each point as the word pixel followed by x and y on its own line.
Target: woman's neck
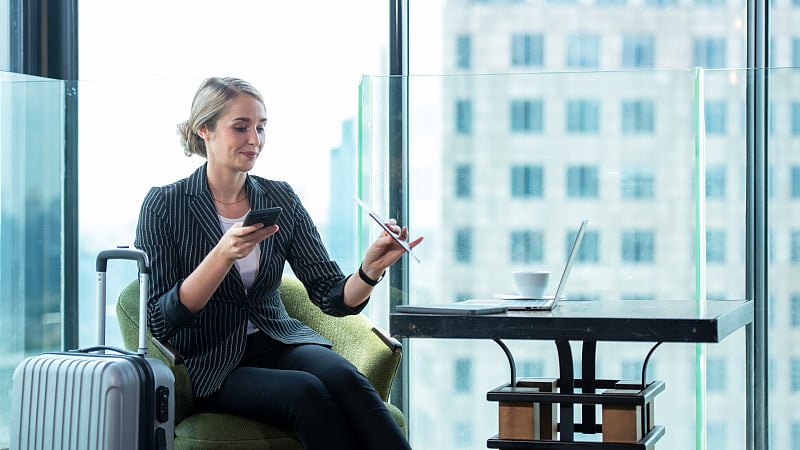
pixel 226 187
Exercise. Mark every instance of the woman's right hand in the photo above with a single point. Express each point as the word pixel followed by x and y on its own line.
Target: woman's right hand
pixel 239 240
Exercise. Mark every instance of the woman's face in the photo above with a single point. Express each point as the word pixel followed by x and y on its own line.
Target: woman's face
pixel 238 138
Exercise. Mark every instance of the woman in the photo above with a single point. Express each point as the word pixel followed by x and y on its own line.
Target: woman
pixel 214 286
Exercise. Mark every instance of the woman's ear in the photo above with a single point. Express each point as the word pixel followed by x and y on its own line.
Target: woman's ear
pixel 203 131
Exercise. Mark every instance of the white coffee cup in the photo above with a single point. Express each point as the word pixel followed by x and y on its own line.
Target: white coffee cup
pixel 531 283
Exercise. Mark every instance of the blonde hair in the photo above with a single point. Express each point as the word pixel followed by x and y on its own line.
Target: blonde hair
pixel 211 100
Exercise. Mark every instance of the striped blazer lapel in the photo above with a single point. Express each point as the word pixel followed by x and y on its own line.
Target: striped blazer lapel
pixel 201 206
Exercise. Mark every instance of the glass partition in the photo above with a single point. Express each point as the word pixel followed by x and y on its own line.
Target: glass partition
pixel 503 167
pixel 31 266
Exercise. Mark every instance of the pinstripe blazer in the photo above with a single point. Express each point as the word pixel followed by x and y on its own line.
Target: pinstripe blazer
pixel 178 226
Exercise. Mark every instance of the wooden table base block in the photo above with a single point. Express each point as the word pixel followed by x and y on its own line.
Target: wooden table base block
pixel 622 423
pixel 519 420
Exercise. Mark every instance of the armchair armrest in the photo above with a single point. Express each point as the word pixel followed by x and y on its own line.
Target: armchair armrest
pixel 390 341
pixel 170 352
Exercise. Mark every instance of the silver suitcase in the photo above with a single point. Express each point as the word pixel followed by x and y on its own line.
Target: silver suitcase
pixel 98 398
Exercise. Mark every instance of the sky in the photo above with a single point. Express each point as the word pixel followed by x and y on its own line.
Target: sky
pixel 141 63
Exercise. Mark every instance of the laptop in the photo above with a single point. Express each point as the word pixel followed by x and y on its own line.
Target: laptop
pixel 457 309
pixel 506 302
pixel 516 303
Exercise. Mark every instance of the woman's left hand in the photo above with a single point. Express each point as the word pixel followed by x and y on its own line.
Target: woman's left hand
pixel 385 251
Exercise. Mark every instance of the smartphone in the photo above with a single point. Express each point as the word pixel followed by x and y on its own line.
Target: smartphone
pixel 388 230
pixel 267 216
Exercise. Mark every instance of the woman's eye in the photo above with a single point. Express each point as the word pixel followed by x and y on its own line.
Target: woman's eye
pixel 260 130
pixel 240 129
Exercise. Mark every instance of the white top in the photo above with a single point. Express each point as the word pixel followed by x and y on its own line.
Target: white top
pixel 247 266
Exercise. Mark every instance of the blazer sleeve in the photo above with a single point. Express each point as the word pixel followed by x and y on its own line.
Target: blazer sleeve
pixel 155 235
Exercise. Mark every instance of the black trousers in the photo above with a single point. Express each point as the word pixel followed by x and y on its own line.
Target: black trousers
pixel 311 390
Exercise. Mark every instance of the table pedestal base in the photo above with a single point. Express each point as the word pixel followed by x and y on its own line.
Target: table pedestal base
pixel 627 410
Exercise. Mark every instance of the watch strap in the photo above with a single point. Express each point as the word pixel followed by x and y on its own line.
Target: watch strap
pixel 366 279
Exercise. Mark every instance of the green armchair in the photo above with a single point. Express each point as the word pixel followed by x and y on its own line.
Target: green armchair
pixel 373 352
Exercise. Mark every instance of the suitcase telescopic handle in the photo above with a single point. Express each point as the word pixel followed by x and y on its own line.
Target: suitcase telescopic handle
pixel 143 262
pixel 133 254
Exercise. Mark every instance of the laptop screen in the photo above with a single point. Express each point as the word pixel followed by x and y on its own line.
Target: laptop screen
pixel 570 259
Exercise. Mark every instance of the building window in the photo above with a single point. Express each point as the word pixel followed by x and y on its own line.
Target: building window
pixel 583 51
pixel 771 182
pixel 716 375
pixel 795 249
pixel 463 181
pixel 716 117
pixel 461 296
pixel 527 50
pixel 709 53
pixel 795 436
pixel 583 116
pixel 794 379
pixel 795 118
pixel 771 121
pixel 638 51
pixel 638 183
pixel 718 296
pixel 636 296
pixel 796 48
pixel 531 368
pixel 582 182
pixel 463 51
pixel 715 182
pixel 463 116
pixel 527 181
pixel 527 116
pixel 462 432
pixel 770 250
pixel 527 246
pixel 773 373
pixel 715 246
pixel 794 310
pixel 637 117
pixel 463 373
pixel 463 247
pixel 638 247
pixel 589 251
pixel 632 369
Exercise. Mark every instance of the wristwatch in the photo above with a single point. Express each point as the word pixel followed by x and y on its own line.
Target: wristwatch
pixel 367 279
